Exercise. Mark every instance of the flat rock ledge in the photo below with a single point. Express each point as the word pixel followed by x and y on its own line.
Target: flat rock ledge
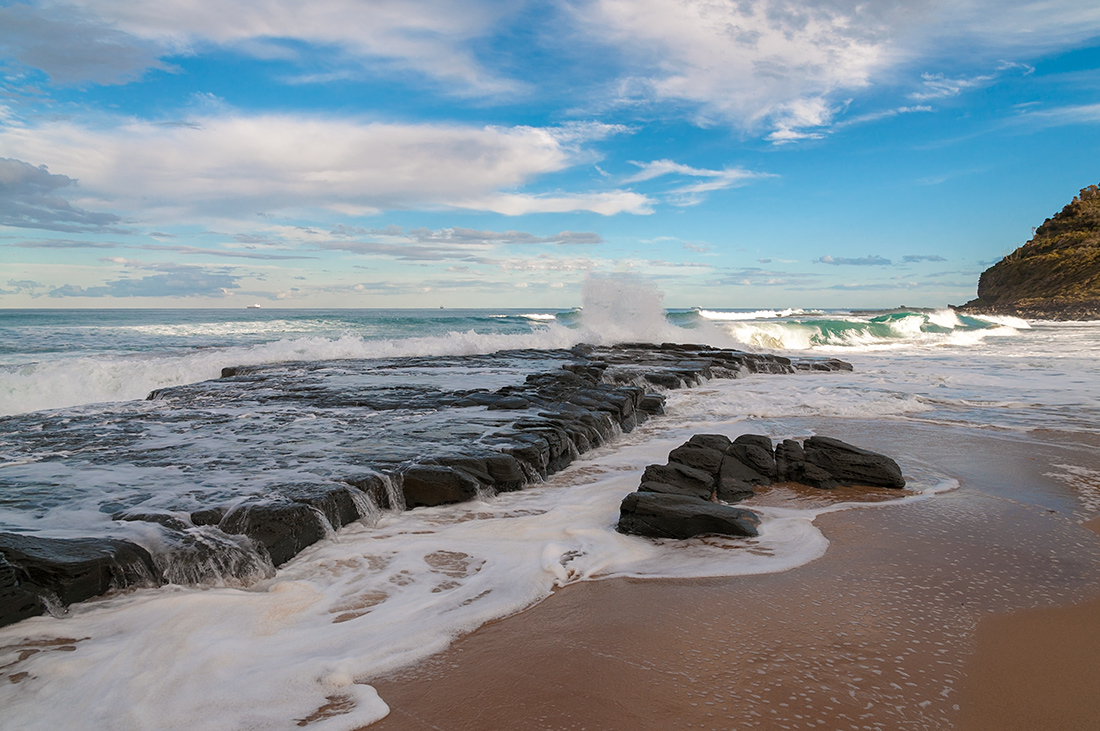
pixel 600 392
pixel 690 495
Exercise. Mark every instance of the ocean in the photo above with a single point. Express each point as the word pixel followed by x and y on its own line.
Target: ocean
pixel 235 644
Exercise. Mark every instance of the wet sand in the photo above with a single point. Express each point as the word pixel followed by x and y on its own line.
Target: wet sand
pixel 880 633
pixel 1036 669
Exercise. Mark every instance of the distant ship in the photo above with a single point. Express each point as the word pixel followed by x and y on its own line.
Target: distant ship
pixel 253 307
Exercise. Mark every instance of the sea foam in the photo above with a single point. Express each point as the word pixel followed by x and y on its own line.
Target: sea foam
pixel 378 597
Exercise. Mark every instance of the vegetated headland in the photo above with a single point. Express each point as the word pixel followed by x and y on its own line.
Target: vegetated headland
pixel 1055 275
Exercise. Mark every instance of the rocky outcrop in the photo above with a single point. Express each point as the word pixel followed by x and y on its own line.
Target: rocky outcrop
pixel 684 497
pixel 526 431
pixel 1055 275
pixel 40 573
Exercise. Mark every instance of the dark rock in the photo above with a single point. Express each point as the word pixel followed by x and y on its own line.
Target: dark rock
pixel 736 480
pixel 66 570
pixel 789 461
pixel 664 378
pixel 426 485
pixel 510 403
pixel 208 516
pixel 680 479
pixel 815 476
pixel 719 442
pixel 756 440
pixel 16 600
pixel 281 527
pixel 376 487
pixel 332 500
pixel 506 472
pixel 168 520
pixel 658 515
pixel 826 364
pixel 761 461
pixel 700 458
pixel 849 465
pixel 791 466
pixel 502 472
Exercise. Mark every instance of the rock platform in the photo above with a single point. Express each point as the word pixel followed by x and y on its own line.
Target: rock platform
pixel 462 443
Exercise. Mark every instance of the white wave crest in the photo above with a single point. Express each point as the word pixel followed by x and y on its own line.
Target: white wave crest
pixel 1005 320
pixel 758 315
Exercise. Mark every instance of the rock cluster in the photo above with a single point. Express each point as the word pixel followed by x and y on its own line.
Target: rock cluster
pixel 543 424
pixel 689 495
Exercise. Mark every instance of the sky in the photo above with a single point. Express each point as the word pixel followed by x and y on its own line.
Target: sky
pixel 426 153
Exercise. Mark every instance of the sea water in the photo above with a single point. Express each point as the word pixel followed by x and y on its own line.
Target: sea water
pixel 396 587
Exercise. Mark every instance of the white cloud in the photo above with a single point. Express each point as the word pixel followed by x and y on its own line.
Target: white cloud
pixel 750 62
pixel 692 193
pixel 236 166
pixel 430 36
pixel 787 66
pixel 1061 116
pixel 938 86
pixel 517 204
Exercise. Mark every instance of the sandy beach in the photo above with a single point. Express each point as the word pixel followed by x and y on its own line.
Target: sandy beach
pixel 975 609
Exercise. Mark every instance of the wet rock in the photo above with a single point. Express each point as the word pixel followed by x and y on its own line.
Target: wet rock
pixel 736 480
pixel 378 488
pixel 168 520
pixel 756 451
pixel 710 468
pixel 678 479
pixel 652 404
pixel 666 379
pixel 208 516
pixel 427 485
pixel 510 403
pixel 790 461
pixel 333 500
pixel 850 465
pixel 16 600
pixel 658 515
pixel 697 456
pixel 502 472
pixel 719 442
pixel 280 527
pixel 36 571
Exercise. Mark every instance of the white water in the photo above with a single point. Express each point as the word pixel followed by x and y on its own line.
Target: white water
pixel 102 378
pixel 378 597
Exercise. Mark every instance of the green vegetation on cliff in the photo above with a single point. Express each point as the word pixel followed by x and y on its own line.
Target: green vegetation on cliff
pixel 1056 275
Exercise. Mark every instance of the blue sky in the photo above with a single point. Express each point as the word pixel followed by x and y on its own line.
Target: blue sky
pixel 384 153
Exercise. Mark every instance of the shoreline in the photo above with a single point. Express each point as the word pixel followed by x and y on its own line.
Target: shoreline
pixel 882 632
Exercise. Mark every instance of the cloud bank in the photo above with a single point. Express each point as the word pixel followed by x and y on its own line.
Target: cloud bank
pixel 238 165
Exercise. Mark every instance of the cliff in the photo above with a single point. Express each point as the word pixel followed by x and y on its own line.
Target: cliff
pixel 1055 275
